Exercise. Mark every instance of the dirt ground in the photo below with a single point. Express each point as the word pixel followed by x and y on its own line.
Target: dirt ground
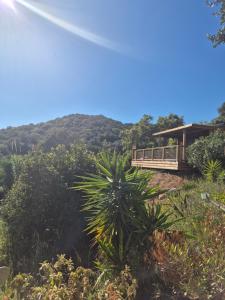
pixel 167 181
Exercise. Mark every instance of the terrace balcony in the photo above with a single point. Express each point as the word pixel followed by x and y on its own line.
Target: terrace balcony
pixel 168 157
pixel 171 157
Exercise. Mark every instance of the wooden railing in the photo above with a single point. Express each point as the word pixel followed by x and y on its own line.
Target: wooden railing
pixel 167 153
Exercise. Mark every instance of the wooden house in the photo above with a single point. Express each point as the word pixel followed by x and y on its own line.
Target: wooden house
pixel 170 157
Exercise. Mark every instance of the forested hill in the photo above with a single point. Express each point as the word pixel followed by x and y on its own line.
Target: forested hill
pixel 96 132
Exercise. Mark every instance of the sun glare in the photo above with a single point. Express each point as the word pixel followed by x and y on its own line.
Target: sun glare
pixel 9 3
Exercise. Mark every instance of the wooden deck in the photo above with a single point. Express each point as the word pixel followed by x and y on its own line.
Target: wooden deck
pixel 168 158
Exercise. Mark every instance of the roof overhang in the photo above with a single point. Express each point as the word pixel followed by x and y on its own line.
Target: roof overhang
pixel 191 128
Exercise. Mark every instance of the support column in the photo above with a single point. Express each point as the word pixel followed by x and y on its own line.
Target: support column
pixel 134 152
pixel 184 144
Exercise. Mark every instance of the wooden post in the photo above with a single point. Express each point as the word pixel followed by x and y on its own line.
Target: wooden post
pixel 184 144
pixel 134 156
pixel 177 153
pixel 163 153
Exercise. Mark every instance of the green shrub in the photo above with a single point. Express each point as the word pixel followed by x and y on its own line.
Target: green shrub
pixel 61 281
pixel 212 170
pixel 195 267
pixel 3 243
pixel 205 149
pixel 41 213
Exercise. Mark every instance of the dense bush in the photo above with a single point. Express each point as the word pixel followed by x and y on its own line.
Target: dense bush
pixel 42 215
pixel 205 149
pixel 195 265
pixel 62 281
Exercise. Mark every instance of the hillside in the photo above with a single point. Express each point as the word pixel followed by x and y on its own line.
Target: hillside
pixel 95 131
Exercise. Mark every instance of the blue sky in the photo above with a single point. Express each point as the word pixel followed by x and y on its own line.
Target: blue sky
pixel 160 62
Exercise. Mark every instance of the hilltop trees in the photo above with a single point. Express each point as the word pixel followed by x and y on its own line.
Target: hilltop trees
pixel 221 116
pixel 170 121
pixel 140 134
pixel 95 131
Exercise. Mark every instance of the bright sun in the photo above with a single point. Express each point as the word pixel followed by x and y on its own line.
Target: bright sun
pixel 8 3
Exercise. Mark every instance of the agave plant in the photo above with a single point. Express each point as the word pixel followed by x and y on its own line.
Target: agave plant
pixel 212 170
pixel 116 205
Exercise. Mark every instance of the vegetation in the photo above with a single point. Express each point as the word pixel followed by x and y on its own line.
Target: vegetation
pixel 220 119
pixel 96 132
pixel 137 255
pixel 205 149
pixel 196 266
pixel 219 37
pixel 41 211
pixel 60 280
pixel 140 134
pixel 76 224
pixel 120 220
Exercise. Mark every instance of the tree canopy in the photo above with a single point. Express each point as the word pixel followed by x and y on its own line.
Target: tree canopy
pixel 219 37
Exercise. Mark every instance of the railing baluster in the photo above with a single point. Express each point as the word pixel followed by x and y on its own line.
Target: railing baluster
pixel 167 153
pixel 163 153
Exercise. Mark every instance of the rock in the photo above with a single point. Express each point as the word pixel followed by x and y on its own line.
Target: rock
pixel 4 274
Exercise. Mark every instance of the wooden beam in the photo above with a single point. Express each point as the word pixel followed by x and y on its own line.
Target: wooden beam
pixel 184 144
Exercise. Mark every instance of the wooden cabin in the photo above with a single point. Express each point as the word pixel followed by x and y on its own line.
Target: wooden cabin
pixel 170 157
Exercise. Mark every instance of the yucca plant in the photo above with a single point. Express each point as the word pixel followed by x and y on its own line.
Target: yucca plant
pixel 117 214
pixel 212 170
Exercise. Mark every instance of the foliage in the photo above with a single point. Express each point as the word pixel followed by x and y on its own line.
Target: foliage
pixel 219 37
pixel 205 149
pixel 212 170
pixel 41 213
pixel 220 119
pixel 140 134
pixel 96 132
pixel 170 121
pixel 61 281
pixel 119 218
pixel 220 197
pixel 196 266
pixel 3 243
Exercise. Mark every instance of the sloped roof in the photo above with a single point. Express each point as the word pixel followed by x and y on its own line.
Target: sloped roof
pixel 189 128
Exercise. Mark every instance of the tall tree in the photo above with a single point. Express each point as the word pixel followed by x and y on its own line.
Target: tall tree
pixel 170 121
pixel 221 116
pixel 140 134
pixel 219 37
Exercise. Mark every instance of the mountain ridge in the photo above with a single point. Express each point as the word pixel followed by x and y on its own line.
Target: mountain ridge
pixel 96 131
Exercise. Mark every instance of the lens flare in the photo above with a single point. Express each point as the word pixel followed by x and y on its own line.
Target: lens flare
pixel 9 3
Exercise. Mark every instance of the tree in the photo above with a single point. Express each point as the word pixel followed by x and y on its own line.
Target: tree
pixel 219 37
pixel 170 121
pixel 140 134
pixel 221 116
pixel 221 110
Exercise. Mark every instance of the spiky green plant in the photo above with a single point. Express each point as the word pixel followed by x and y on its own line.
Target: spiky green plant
pixel 212 170
pixel 118 217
